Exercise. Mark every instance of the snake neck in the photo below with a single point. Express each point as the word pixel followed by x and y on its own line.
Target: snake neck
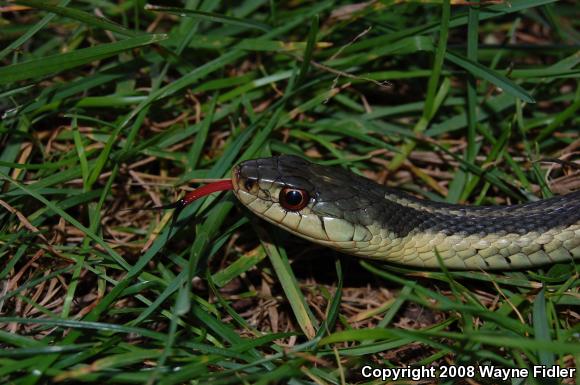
pixel 411 231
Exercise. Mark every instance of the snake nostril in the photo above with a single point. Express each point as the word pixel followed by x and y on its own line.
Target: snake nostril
pixel 249 183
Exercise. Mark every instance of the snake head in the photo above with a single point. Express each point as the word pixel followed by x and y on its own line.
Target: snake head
pixel 274 186
pixel 318 203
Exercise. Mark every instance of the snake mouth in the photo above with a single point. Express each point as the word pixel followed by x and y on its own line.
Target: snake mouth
pixel 241 183
pixel 236 177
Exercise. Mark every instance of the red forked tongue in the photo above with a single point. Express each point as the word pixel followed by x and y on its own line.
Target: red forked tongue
pixel 207 189
pixel 220 185
pixel 202 191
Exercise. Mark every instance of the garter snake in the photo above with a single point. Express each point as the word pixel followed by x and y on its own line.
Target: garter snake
pixel 336 208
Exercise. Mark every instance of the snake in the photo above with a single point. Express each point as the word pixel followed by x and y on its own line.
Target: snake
pixel 334 207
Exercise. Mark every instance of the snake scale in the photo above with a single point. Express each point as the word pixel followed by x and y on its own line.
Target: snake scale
pixel 336 208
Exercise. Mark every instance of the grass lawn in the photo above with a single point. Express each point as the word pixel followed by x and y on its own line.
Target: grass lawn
pixel 109 105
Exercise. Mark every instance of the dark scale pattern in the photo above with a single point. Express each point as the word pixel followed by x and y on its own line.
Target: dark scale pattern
pixel 341 194
pixel 518 219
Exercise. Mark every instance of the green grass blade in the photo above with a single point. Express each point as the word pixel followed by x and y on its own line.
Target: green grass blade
pixel 210 16
pixel 81 16
pixel 483 72
pixel 289 283
pixel 57 63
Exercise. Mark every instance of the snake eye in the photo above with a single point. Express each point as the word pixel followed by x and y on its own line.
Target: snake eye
pixel 293 199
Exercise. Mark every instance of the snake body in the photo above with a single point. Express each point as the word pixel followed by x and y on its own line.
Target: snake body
pixel 357 216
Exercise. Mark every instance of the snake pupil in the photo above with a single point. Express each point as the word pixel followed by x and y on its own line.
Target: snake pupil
pixel 293 199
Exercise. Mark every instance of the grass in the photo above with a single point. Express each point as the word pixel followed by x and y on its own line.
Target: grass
pixel 110 105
